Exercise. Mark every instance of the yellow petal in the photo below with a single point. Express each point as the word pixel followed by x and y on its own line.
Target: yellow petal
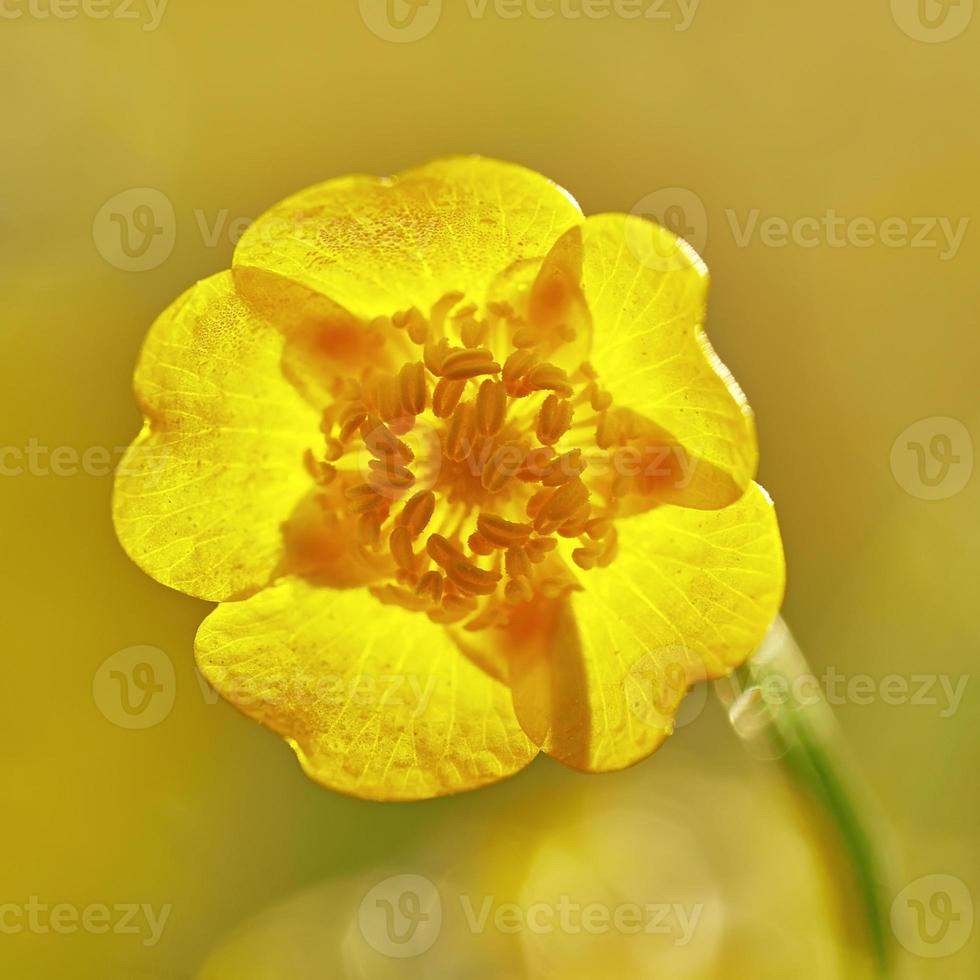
pixel 376 700
pixel 376 246
pixel 647 290
pixel 689 597
pixel 202 493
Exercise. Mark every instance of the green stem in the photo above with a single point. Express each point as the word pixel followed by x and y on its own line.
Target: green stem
pixel 775 697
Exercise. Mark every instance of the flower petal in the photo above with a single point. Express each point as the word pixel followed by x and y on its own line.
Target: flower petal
pixel 647 290
pixel 376 700
pixel 689 597
pixel 376 246
pixel 202 493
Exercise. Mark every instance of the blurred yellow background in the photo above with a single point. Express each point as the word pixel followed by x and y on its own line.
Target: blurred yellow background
pixel 842 334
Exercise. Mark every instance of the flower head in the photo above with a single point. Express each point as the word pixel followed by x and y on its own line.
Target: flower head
pixel 464 474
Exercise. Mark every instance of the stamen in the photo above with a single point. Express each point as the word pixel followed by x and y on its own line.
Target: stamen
pixel 503 534
pixel 502 465
pixel 598 528
pixel 470 578
pixel 517 563
pixel 459 435
pixel 417 512
pixel 442 552
pixel 485 442
pixel 453 609
pixel 479 545
pixel 526 337
pixel 381 441
pixel 563 468
pixel 389 477
pixel 598 399
pixel 393 596
pixel 549 376
pixel 491 407
pixel 333 451
pixel 517 365
pixel 441 310
pixel 362 498
pixel 433 355
pixel 554 419
pixel 430 585
pixel 585 558
pixel 400 546
pixel 446 397
pixel 537 549
pixel 322 473
pixel 472 332
pixel 351 419
pixel 536 464
pixel 411 382
pixel 369 530
pixel 468 364
pixel 564 502
pixel 518 590
pixel 389 398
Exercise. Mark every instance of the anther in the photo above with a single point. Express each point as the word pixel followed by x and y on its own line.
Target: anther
pixel 446 396
pixel 549 376
pixel 517 365
pixel 470 578
pixel 411 382
pixel 502 465
pixel 517 563
pixel 400 546
pixel 459 435
pixel 417 512
pixel 503 534
pixel 468 364
pixel 553 420
pixel 430 585
pixel 491 407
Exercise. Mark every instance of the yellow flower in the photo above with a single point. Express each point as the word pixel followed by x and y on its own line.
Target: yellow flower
pixel 464 474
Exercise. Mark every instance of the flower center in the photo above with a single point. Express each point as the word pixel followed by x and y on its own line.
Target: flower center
pixel 473 458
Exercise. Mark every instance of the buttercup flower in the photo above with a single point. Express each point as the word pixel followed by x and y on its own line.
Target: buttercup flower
pixel 463 474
